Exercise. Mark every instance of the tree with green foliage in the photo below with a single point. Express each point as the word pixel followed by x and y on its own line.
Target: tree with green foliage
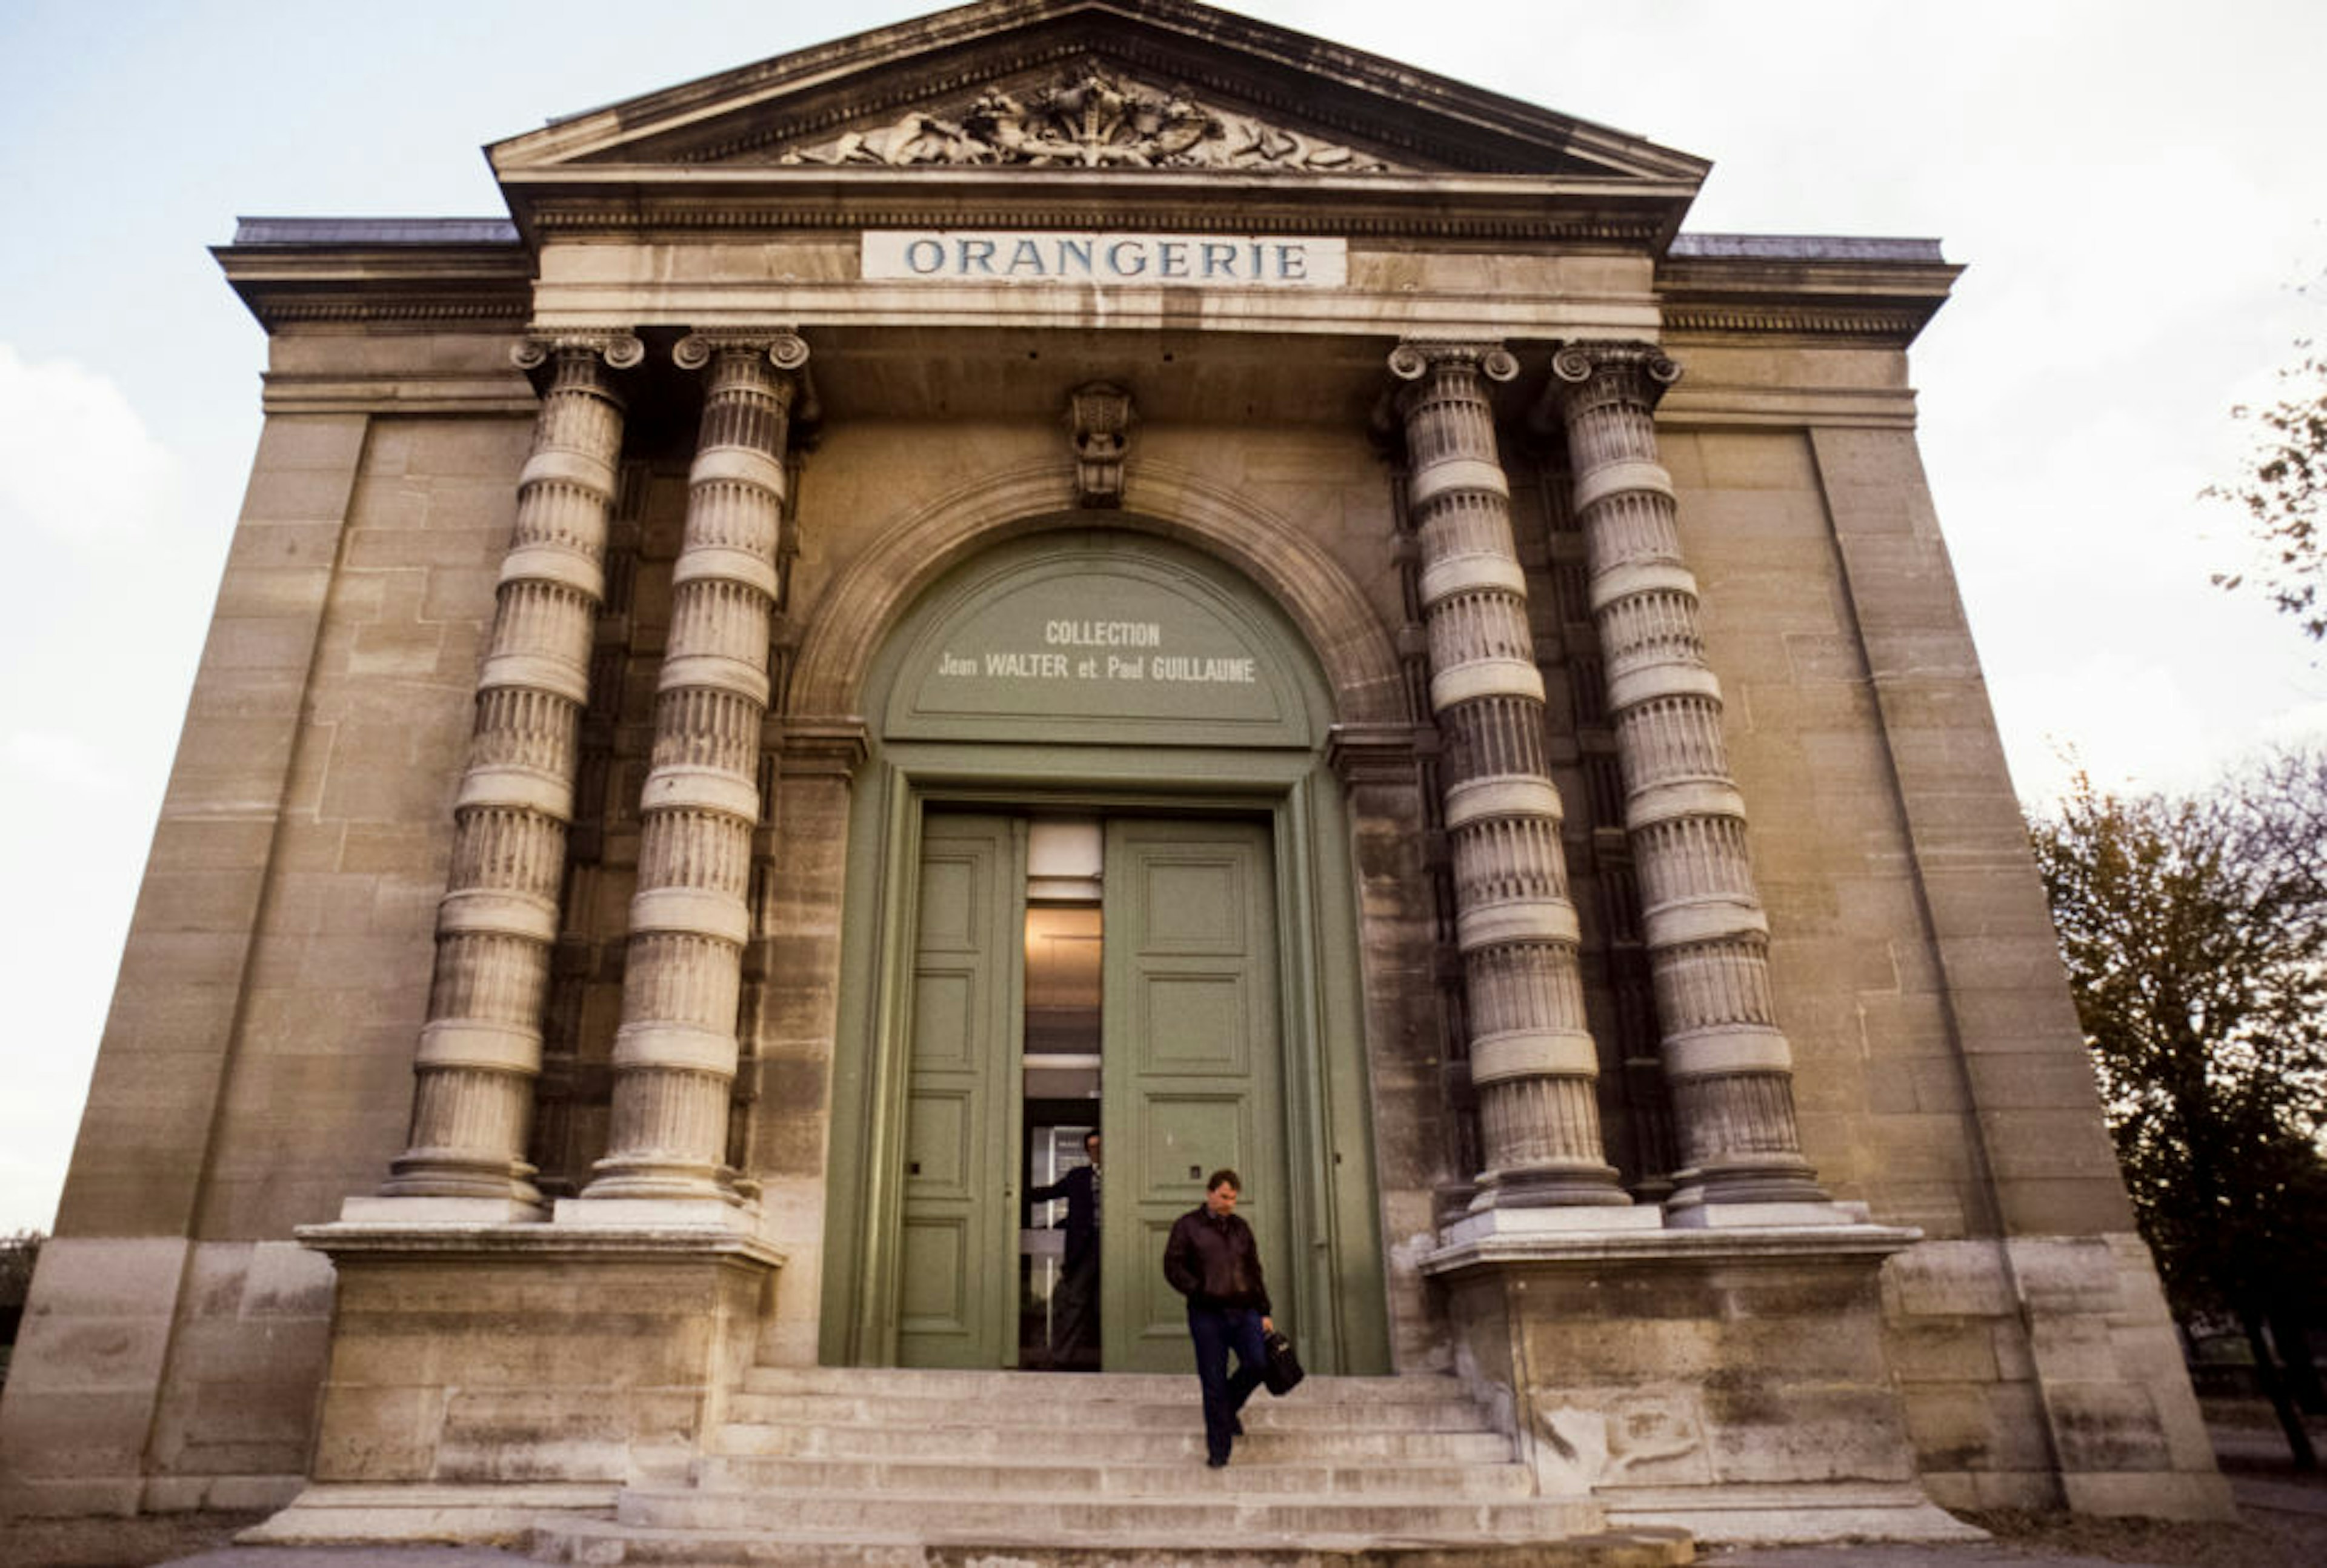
pixel 2283 493
pixel 2195 935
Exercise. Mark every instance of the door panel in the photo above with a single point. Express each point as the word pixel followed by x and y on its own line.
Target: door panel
pixel 961 1136
pixel 1192 1029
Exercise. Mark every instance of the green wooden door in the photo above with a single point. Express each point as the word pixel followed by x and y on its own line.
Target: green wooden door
pixel 957 1279
pixel 1191 1077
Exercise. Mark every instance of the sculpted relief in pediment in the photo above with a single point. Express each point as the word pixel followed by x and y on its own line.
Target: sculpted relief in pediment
pixel 1088 119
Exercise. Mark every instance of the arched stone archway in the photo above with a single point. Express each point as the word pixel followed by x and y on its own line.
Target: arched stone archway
pixel 849 623
pixel 900 633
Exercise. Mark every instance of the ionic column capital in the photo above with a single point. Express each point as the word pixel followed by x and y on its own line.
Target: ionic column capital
pixel 619 349
pixel 1416 358
pixel 1636 371
pixel 786 349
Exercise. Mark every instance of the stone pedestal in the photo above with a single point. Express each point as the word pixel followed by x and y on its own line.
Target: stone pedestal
pixel 483 1373
pixel 1731 1382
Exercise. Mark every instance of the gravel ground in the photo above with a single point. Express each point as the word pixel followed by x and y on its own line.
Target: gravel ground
pixel 115 1542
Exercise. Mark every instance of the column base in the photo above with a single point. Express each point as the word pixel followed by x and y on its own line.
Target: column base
pixel 1482 1225
pixel 559 1354
pixel 1567 1187
pixel 1589 1347
pixel 1784 1180
pixel 717 1212
pixel 1682 1216
pixel 424 1212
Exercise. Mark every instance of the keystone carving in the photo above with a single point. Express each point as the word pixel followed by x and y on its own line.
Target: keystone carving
pixel 1099 414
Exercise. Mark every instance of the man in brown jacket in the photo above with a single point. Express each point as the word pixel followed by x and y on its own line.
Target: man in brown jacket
pixel 1212 1260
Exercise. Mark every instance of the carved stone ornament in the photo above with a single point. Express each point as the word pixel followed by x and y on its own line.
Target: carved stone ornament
pixel 1577 363
pixel 1089 118
pixel 1099 413
pixel 786 349
pixel 1411 360
pixel 620 350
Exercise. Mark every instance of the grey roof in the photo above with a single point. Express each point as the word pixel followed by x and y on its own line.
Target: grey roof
pixel 374 231
pixel 1804 248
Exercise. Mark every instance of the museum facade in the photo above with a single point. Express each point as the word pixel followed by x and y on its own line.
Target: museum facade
pixel 1089 565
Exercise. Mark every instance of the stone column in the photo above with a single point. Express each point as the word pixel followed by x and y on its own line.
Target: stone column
pixel 1729 1068
pixel 675 1053
pixel 479 1050
pixel 1532 1060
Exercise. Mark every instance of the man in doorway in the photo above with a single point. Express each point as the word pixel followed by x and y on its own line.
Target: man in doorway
pixel 1212 1260
pixel 1074 1306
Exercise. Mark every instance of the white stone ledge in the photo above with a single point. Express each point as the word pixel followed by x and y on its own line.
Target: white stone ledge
pixel 692 912
pixel 1658 804
pixel 1448 474
pixel 738 465
pixel 1703 921
pixel 713 672
pixel 536 672
pixel 675 1047
pixel 452 1042
pixel 1628 579
pixel 1623 476
pixel 564 465
pixel 544 561
pixel 1507 795
pixel 1533 1053
pixel 1581 1243
pixel 725 564
pixel 1782 1514
pixel 1733 1048
pixel 681 788
pixel 1471 573
pixel 424 1513
pixel 1646 683
pixel 540 1239
pixel 507 789
pixel 1513 921
pixel 495 911
pixel 643 298
pixel 1484 678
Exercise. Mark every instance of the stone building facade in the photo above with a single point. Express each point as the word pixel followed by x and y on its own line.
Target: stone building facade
pixel 1454 679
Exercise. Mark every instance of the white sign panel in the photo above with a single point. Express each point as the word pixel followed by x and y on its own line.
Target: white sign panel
pixel 1132 260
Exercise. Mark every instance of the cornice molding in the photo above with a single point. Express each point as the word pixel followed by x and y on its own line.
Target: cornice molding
pixel 375 281
pixel 1869 291
pixel 1899 326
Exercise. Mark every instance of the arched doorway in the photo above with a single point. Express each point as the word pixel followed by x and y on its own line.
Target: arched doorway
pixel 1095 853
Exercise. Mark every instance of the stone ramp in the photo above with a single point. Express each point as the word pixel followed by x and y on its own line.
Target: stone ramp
pixel 841 1468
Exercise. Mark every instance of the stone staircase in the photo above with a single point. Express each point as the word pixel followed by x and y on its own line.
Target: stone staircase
pixel 881 1469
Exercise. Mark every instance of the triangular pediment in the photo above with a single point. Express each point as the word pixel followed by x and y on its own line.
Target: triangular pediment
pixel 1124 86
pixel 1092 114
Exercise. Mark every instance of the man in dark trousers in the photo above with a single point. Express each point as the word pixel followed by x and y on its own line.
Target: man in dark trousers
pixel 1074 1308
pixel 1212 1260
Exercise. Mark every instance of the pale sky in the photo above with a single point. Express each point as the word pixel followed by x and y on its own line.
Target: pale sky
pixel 2135 186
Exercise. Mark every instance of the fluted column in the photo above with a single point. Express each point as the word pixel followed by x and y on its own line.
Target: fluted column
pixel 479 1050
pixel 676 1051
pixel 1533 1062
pixel 1729 1068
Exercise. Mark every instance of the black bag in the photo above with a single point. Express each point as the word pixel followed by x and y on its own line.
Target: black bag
pixel 1280 1371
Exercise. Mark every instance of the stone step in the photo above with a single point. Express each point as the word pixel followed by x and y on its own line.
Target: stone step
pixel 1047 1387
pixel 1230 1517
pixel 1450 1412
pixel 931 1476
pixel 606 1545
pixel 1267 1443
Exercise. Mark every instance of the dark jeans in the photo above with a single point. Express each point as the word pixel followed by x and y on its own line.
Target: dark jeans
pixel 1074 1315
pixel 1217 1330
